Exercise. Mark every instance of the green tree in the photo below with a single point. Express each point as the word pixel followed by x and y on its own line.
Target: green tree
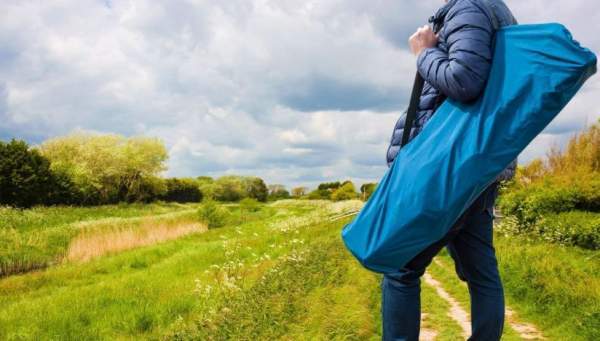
pixel 329 186
pixel 320 194
pixel 109 168
pixel 298 192
pixel 345 192
pixel 277 192
pixel 182 190
pixel 206 185
pixel 229 188
pixel 25 176
pixel 256 188
pixel 366 190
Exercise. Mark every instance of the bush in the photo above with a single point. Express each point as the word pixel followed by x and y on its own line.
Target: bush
pixel 320 194
pixel 529 203
pixel 249 205
pixel 182 190
pixel 212 214
pixel 571 228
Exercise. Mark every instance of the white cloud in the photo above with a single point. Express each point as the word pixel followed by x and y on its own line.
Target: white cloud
pixel 295 91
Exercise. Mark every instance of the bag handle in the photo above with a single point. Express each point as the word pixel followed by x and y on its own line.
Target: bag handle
pixel 411 112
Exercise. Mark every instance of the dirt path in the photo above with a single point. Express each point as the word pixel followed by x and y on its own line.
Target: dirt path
pixel 456 312
pixel 525 330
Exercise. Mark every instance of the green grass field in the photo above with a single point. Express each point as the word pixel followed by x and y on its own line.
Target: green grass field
pixel 280 273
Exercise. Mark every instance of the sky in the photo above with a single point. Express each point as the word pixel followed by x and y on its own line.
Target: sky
pixel 294 91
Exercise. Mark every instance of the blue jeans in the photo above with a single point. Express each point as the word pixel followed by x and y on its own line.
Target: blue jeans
pixel 470 244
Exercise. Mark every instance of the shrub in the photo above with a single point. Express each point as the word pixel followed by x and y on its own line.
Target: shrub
pixel 212 214
pixel 571 228
pixel 320 194
pixel 249 205
pixel 529 203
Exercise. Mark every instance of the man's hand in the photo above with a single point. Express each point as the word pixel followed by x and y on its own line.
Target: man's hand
pixel 422 39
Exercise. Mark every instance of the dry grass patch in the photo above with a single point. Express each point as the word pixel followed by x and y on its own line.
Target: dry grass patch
pixel 92 244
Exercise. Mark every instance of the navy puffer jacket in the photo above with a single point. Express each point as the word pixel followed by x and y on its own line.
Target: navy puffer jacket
pixel 458 67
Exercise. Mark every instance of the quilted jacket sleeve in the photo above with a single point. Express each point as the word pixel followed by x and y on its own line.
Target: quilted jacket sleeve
pixel 462 71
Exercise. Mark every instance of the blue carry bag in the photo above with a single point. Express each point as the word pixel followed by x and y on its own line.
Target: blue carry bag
pixel 536 71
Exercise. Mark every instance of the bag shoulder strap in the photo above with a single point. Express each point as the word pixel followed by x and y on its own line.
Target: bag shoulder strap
pixel 411 112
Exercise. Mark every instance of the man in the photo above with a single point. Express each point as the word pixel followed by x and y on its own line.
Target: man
pixel 454 59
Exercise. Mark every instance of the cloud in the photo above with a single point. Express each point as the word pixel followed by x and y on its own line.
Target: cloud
pixel 294 91
pixel 324 93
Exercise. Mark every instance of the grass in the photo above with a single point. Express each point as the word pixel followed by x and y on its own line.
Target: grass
pixel 40 237
pixel 571 228
pixel 93 244
pixel 280 272
pixel 555 287
pixel 143 292
pixel 39 218
pixel 443 271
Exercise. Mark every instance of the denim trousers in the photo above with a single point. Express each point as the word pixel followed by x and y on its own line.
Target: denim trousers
pixel 470 243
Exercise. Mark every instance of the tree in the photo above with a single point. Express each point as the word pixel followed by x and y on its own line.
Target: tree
pixel 256 188
pixel 345 192
pixel 273 188
pixel 109 168
pixel 320 194
pixel 26 178
pixel 298 192
pixel 182 190
pixel 366 190
pixel 207 186
pixel 229 188
pixel 24 175
pixel 329 186
pixel 277 192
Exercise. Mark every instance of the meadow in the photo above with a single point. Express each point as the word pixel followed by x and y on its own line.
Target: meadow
pixel 278 272
pixel 40 237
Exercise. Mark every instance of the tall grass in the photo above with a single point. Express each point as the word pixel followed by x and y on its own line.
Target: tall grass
pixel 53 216
pixel 37 238
pixel 556 287
pixel 93 244
pixel 142 292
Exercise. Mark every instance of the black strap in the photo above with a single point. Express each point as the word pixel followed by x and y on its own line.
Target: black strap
pixel 411 112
